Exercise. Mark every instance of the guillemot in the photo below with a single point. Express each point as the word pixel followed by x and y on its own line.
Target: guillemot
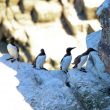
pixel 12 50
pixel 66 60
pixel 80 60
pixel 40 59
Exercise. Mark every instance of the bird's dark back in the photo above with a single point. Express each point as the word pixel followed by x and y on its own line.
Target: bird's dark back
pixel 77 59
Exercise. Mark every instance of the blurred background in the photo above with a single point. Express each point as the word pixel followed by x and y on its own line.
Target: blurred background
pixel 50 24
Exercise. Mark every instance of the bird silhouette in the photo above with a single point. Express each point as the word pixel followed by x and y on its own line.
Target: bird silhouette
pixel 40 60
pixel 13 50
pixel 80 60
pixel 66 60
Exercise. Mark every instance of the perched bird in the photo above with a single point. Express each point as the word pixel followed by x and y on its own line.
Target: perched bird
pixel 12 50
pixel 40 59
pixel 66 60
pixel 80 60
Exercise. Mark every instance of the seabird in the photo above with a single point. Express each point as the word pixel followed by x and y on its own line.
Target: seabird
pixel 40 59
pixel 80 60
pixel 66 60
pixel 12 50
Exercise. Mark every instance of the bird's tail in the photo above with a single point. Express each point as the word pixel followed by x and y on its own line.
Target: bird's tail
pixel 73 63
pixel 34 66
pixel 75 66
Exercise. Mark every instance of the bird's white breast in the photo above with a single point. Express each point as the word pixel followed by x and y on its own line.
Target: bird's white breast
pixel 82 61
pixel 66 62
pixel 40 61
pixel 12 50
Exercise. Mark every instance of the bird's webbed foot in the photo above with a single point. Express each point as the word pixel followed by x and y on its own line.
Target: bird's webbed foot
pixel 65 71
pixel 13 60
pixel 83 70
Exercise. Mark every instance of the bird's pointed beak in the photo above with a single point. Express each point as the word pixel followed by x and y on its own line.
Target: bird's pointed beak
pixel 95 50
pixel 73 48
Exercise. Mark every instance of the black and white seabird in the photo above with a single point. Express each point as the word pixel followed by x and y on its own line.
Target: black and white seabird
pixel 12 50
pixel 40 59
pixel 66 60
pixel 80 60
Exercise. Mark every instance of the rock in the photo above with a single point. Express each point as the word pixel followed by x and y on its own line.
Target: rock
pixel 93 26
pixel 50 94
pixel 46 90
pixel 24 19
pixel 9 14
pixel 8 82
pixel 46 11
pixel 20 36
pixel 15 9
pixel 1 34
pixel 53 92
pixel 6 28
pixel 2 11
pixel 2 1
pixel 104 5
pixel 91 7
pixel 12 2
pixel 79 9
pixel 89 90
pixel 52 0
pixel 104 44
pixel 26 5
pixel 75 24
pixel 95 63
pixel 93 39
pixel 70 13
pixel 65 3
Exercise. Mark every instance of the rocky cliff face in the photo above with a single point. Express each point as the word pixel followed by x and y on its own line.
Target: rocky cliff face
pixel 104 44
pixel 46 90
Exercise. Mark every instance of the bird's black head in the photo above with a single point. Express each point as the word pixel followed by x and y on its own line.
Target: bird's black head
pixel 91 49
pixel 68 50
pixel 42 51
pixel 88 51
pixel 11 40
